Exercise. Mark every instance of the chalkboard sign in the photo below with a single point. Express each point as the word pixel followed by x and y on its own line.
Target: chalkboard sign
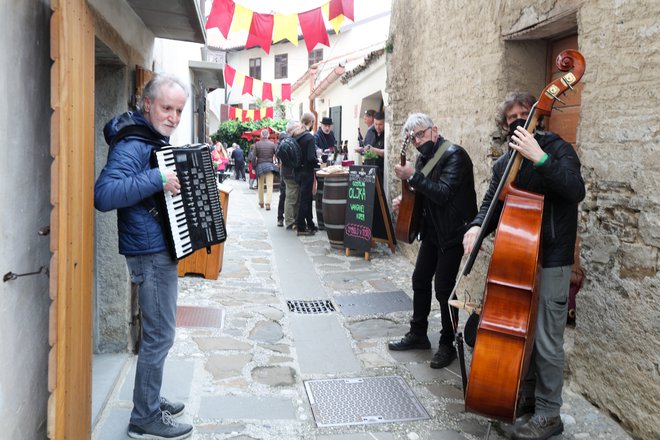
pixel 367 215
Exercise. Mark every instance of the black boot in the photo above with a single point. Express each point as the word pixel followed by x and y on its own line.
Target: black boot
pixel 410 341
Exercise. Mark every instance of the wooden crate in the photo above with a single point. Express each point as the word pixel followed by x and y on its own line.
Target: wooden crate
pixel 201 262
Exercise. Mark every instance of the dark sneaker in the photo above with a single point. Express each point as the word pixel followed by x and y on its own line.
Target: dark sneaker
pixel 444 356
pixel 305 232
pixel 174 408
pixel 291 227
pixel 410 341
pixel 539 427
pixel 280 223
pixel 163 428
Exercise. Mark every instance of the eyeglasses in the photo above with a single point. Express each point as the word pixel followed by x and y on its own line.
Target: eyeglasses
pixel 420 134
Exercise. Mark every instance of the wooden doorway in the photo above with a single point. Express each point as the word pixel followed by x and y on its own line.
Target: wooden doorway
pixel 72 220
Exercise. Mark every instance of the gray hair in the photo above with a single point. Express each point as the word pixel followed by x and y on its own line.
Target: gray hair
pixel 264 134
pixel 416 120
pixel 291 125
pixel 153 88
pixel 523 99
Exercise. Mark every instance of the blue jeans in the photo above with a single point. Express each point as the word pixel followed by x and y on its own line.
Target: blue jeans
pixel 156 275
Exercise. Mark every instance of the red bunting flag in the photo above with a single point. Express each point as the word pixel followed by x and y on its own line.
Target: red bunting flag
pixel 269 112
pixel 347 9
pixel 267 94
pixel 261 31
pixel 222 13
pixel 247 85
pixel 286 92
pixel 230 73
pixel 313 28
pixel 232 113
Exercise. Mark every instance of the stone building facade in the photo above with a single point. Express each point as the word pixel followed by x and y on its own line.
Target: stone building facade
pixel 456 60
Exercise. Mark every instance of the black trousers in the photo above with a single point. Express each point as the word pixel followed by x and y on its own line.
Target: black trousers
pixel 305 179
pixel 280 203
pixel 439 266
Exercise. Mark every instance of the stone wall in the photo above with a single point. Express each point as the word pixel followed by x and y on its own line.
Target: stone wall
pixel 453 61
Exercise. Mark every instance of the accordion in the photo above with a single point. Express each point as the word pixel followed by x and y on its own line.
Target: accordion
pixel 194 217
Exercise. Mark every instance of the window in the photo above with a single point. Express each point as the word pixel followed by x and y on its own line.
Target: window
pixel 281 66
pixel 314 57
pixel 255 68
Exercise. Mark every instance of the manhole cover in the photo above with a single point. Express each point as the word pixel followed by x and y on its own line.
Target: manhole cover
pixel 374 303
pixel 187 316
pixel 311 307
pixel 362 401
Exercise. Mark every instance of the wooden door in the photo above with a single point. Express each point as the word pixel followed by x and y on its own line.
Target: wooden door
pixel 71 220
pixel 565 121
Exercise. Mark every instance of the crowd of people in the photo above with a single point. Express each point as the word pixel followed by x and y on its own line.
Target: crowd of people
pixel 442 176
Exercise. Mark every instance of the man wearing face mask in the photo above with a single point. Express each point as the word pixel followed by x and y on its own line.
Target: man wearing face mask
pixel 449 203
pixel 550 167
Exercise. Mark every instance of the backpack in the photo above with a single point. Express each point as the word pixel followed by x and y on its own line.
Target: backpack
pixel 289 153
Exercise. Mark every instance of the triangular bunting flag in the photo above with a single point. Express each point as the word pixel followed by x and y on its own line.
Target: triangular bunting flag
pixel 232 113
pixel 336 21
pixel 313 29
pixel 277 90
pixel 267 93
pixel 247 85
pixel 261 32
pixel 230 72
pixel 221 14
pixel 269 112
pixel 249 114
pixel 286 92
pixel 347 9
pixel 285 27
pixel 242 19
pixel 257 88
pixel 239 79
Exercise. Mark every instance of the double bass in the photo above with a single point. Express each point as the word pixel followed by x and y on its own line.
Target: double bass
pixel 410 208
pixel 505 333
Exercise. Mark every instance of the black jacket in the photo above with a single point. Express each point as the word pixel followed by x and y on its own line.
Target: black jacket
pixel 560 181
pixel 449 198
pixel 308 148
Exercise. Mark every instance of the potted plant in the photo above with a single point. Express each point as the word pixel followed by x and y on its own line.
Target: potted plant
pixel 369 157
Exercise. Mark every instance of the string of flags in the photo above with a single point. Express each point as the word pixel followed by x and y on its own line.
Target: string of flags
pixel 265 91
pixel 246 115
pixel 264 29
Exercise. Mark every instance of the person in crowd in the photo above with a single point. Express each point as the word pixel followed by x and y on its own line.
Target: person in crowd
pixel 375 141
pixel 266 168
pixel 239 162
pixel 282 199
pixel 550 167
pixel 220 158
pixel 449 203
pixel 305 174
pixel 128 183
pixel 324 139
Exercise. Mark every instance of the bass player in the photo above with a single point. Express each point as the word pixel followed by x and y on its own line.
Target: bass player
pixel 449 203
pixel 550 167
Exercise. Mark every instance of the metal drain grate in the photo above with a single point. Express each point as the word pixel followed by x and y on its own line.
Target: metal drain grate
pixel 363 401
pixel 188 316
pixel 311 307
pixel 374 303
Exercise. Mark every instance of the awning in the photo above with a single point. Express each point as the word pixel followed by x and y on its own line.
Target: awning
pixel 181 20
pixel 209 74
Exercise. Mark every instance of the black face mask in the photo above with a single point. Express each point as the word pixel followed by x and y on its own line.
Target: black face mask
pixel 515 124
pixel 426 148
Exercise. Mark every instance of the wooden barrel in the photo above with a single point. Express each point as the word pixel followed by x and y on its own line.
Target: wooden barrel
pixel 335 187
pixel 318 199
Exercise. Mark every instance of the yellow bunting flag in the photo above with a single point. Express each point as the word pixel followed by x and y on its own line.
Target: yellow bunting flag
pixel 335 22
pixel 257 88
pixel 285 27
pixel 242 19
pixel 239 80
pixel 239 114
pixel 277 91
pixel 249 114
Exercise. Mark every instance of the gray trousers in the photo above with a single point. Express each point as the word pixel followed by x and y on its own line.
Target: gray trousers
pixel 545 376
